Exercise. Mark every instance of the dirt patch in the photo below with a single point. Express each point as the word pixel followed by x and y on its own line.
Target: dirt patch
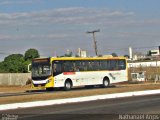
pixel 10 89
pixel 73 93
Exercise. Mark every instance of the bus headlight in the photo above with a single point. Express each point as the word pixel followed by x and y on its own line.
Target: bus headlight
pixel 49 80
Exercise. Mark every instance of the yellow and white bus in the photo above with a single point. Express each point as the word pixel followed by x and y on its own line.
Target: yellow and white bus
pixel 68 72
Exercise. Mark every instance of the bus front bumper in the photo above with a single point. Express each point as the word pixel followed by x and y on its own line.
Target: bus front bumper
pixel 42 84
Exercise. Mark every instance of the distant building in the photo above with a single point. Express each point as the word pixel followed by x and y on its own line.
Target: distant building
pixel 130 53
pixel 82 53
pixel 139 57
pixel 154 53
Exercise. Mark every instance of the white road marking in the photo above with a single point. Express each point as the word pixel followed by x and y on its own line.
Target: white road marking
pixel 78 99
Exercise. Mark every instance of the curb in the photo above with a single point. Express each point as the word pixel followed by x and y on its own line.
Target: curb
pixel 78 99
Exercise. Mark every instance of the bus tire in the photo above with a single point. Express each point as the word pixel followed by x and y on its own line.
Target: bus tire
pixel 67 85
pixel 106 82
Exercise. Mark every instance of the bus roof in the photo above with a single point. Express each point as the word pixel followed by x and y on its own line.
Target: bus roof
pixel 81 58
pixel 85 58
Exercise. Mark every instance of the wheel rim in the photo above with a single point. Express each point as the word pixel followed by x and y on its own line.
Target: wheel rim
pixel 68 85
pixel 105 83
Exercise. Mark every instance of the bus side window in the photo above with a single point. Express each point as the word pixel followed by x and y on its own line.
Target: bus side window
pixel 54 67
pixel 57 67
pixel 82 65
pixel 113 65
pixel 107 63
pixel 68 66
pixel 116 65
pixel 104 64
pixel 96 65
pixel 78 65
pixel 100 65
pixel 121 65
pixel 75 66
pixel 90 66
pixel 85 65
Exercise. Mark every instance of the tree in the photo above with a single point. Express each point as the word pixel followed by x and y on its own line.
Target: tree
pixel 31 54
pixel 2 67
pixel 68 54
pixel 17 63
pixel 114 55
pixel 14 63
pixel 126 56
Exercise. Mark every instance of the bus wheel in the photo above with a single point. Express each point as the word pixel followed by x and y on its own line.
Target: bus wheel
pixel 68 85
pixel 106 82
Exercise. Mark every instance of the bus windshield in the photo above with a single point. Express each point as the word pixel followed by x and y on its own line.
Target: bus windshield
pixel 41 69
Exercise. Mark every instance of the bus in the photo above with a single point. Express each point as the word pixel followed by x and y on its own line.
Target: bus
pixel 69 72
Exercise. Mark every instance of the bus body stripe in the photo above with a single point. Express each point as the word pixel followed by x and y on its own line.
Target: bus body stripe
pixel 69 73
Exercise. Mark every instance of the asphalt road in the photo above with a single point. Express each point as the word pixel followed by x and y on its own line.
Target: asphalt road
pixel 143 108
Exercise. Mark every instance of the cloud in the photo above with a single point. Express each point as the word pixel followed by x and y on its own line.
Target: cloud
pixel 75 15
pixel 35 37
pixel 5 2
pixel 11 2
pixel 135 34
pixel 4 37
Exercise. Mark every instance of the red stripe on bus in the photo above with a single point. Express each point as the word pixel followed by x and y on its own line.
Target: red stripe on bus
pixel 69 73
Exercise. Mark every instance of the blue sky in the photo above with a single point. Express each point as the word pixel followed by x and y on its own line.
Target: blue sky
pixel 53 26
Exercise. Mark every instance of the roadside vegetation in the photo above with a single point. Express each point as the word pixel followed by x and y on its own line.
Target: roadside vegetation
pixel 18 63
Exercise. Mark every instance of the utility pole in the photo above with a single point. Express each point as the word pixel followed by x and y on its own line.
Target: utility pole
pixel 94 40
